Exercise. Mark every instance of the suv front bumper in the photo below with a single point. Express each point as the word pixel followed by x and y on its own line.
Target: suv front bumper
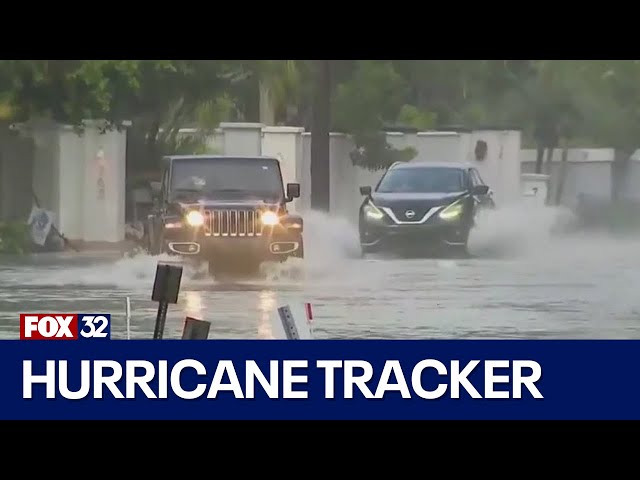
pixel 381 237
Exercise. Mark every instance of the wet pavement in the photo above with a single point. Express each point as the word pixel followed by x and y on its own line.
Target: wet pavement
pixel 521 282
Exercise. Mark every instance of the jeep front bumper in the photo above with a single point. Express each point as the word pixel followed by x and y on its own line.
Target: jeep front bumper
pixel 269 246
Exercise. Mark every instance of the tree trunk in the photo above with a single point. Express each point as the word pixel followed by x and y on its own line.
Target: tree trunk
pixel 267 110
pixel 619 169
pixel 562 173
pixel 539 157
pixel 320 140
pixel 548 162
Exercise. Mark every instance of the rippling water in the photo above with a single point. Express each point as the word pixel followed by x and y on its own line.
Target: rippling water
pixel 522 282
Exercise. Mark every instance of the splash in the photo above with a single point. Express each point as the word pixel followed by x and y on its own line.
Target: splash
pixel 136 271
pixel 329 241
pixel 513 230
pixel 544 233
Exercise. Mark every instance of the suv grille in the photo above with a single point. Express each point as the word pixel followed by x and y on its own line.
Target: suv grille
pixel 233 223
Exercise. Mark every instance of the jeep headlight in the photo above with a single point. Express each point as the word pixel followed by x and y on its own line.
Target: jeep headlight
pixel 195 218
pixel 452 212
pixel 371 212
pixel 269 219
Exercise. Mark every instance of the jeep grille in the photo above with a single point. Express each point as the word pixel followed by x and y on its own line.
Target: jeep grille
pixel 233 223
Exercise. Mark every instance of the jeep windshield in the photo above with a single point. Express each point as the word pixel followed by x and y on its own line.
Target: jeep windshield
pixel 235 176
pixel 422 180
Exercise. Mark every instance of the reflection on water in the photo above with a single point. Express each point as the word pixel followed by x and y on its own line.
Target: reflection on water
pixel 193 306
pixel 266 308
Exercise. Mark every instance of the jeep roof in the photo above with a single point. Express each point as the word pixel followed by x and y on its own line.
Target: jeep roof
pixel 171 158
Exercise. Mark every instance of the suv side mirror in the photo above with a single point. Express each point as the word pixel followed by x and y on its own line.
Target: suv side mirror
pixel 480 190
pixel 293 191
pixel 365 191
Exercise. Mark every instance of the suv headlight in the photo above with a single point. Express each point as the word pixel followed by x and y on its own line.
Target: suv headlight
pixel 453 211
pixel 269 219
pixel 372 212
pixel 195 218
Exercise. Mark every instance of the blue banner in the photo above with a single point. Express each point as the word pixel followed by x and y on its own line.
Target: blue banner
pixel 317 379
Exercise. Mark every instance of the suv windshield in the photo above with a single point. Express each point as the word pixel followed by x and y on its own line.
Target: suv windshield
pixel 237 175
pixel 423 180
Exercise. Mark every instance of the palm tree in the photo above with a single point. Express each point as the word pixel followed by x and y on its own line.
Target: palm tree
pixel 279 83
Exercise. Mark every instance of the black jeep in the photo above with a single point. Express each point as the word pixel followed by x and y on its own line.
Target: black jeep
pixel 228 211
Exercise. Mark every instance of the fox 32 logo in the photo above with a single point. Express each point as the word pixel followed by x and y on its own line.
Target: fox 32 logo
pixel 61 326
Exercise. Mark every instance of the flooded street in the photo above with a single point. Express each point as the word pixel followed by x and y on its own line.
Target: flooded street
pixel 521 282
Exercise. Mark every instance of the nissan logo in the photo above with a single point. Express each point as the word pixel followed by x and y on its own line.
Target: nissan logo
pixel 409 214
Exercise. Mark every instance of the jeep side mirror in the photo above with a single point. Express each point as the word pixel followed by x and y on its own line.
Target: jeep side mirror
pixel 480 190
pixel 365 191
pixel 293 191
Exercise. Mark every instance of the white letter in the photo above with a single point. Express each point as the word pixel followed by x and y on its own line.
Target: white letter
pixel 384 385
pixel 416 379
pixel 85 380
pixel 29 379
pixel 109 381
pixel 329 377
pixel 30 326
pixel 175 379
pixel 64 329
pixel 459 378
pixel 361 382
pixel 288 378
pixel 253 372
pixel 233 385
pixel 529 382
pixel 490 379
pixel 163 388
pixel 142 381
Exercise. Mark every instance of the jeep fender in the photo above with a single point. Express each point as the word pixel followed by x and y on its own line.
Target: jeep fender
pixel 291 219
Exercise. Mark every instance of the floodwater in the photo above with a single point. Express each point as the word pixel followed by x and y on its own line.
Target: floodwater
pixel 521 282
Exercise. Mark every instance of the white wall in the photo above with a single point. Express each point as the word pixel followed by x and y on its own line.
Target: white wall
pixel 285 144
pixel 292 146
pixel 589 171
pixel 500 169
pixel 101 157
pixel 68 171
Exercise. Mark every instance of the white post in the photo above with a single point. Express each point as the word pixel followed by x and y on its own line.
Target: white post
pixel 128 316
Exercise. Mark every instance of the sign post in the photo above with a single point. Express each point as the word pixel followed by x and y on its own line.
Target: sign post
pixel 165 291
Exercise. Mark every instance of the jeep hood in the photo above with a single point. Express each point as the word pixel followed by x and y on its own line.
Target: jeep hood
pixel 226 200
pixel 228 203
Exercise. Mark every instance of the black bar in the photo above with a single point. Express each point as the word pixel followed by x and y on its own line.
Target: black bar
pixel 161 319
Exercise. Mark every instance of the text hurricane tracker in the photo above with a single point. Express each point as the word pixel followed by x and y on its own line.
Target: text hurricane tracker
pixel 286 379
pixel 65 326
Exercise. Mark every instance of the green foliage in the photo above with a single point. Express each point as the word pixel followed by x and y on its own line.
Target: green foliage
pixel 14 238
pixel 411 116
pixel 597 101
pixel 372 98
